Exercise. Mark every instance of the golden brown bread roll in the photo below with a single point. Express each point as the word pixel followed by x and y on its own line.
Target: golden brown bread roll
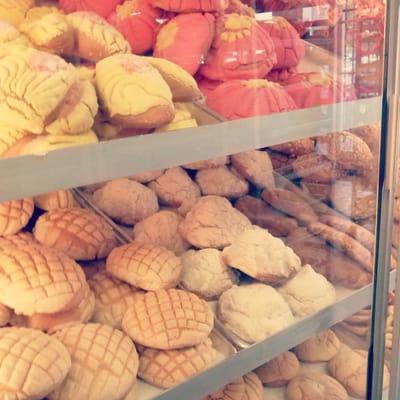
pixel 112 299
pixel 145 266
pixel 280 370
pixel 253 389
pixel 21 239
pixel 167 368
pixel 32 364
pixel 14 215
pixel 133 93
pixel 319 348
pixel 79 233
pixel 290 203
pixel 101 355
pixel 35 279
pixel 55 200
pixel 33 105
pixel 232 391
pixel 150 322
pixel 95 39
pixel 263 215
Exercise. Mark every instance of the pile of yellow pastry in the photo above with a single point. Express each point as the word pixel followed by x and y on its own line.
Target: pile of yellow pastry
pixel 69 79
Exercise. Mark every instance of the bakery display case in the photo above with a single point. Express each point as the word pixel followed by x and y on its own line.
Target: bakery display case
pixel 198 199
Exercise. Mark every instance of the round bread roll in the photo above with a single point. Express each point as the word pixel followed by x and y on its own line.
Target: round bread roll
pixel 253 312
pixel 253 387
pixel 315 386
pixel 35 279
pixel 205 273
pixel 221 181
pixel 55 200
pixel 167 368
pixel 262 256
pixel 133 92
pixel 104 363
pixel 308 292
pixel 21 239
pixel 52 322
pixel 350 368
pixel 126 201
pixel 175 189
pixel 161 229
pixel 112 299
pixel 213 222
pixel 14 215
pixel 32 364
pixel 147 176
pixel 145 266
pixel 5 315
pixel 319 348
pixel 79 233
pixel 279 371
pixel 256 166
pixel 95 38
pixel 211 163
pixel 151 323
pixel 232 391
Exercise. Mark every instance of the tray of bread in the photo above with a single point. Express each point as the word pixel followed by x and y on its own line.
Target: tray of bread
pixel 326 365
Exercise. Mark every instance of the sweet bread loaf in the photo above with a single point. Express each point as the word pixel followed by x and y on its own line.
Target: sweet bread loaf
pixel 262 256
pixel 150 321
pixel 79 233
pixel 121 80
pixel 205 274
pixel 145 266
pixel 104 363
pixel 314 385
pixel 319 348
pixel 33 106
pixel 126 201
pixel 186 39
pixel 263 215
pixel 55 200
pixel 213 222
pixel 167 368
pixel 161 229
pixel 20 239
pixel 280 370
pixel 255 166
pixel 138 22
pixel 290 203
pixel 112 299
pixel 49 32
pixel 241 50
pixel 308 292
pixel 95 39
pixel 32 364
pixel 14 215
pixel 175 189
pixel 77 113
pixel 52 322
pixel 35 279
pixel 221 181
pixel 232 391
pixel 253 312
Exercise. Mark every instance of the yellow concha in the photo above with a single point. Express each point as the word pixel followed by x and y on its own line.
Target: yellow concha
pixel 14 11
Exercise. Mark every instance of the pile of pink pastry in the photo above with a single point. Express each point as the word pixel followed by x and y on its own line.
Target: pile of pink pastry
pixel 244 67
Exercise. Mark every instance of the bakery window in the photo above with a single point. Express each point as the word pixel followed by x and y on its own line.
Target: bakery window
pixel 195 200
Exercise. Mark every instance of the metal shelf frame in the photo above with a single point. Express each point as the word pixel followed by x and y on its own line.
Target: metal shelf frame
pixel 83 165
pixel 248 359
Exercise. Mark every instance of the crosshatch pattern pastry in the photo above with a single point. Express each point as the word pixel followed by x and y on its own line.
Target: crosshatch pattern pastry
pixel 145 266
pixel 167 368
pixel 20 239
pixel 104 363
pixel 14 215
pixel 77 232
pixel 32 364
pixel 54 200
pixel 168 319
pixel 112 299
pixel 35 279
